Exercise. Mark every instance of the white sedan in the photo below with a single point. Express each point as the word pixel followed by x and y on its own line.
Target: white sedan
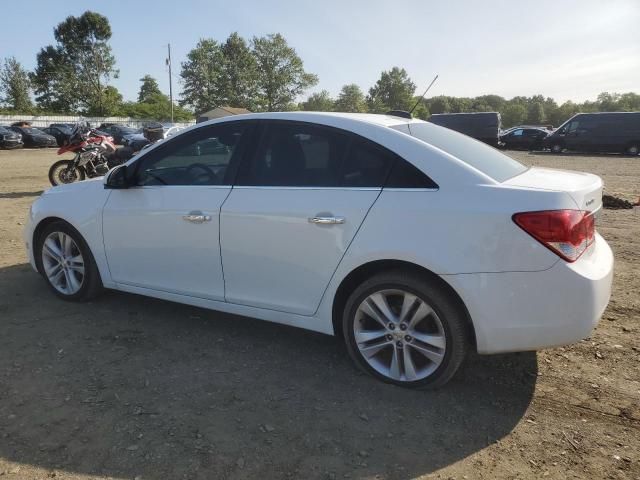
pixel 414 243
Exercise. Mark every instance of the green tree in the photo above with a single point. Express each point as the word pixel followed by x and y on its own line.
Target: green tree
pixel 239 76
pixel 421 111
pixel 629 102
pixel 393 91
pixel 157 107
pixel 282 75
pixel 439 105
pixel 480 106
pixel 72 76
pixel 492 103
pixel 351 99
pixel 608 102
pixel 458 104
pixel 565 112
pixel 14 86
pixel 318 102
pixel 513 114
pixel 149 89
pixel 111 100
pixel 201 76
pixel 535 113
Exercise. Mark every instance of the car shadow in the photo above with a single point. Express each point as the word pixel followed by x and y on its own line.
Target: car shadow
pixel 128 386
pixel 21 194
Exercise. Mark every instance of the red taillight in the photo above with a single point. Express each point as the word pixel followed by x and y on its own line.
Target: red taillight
pixel 568 233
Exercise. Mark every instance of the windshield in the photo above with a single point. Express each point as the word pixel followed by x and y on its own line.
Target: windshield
pixel 479 155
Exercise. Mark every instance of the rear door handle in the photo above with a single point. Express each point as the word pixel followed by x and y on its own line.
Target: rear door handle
pixel 196 217
pixel 327 220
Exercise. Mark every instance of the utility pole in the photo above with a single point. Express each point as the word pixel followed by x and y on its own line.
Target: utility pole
pixel 170 80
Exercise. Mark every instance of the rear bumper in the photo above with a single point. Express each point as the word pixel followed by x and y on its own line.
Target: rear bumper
pixel 519 311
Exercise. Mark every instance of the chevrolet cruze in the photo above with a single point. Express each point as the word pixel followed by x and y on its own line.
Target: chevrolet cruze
pixel 412 242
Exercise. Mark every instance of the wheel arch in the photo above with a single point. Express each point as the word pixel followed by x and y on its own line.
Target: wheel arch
pixel 37 232
pixel 366 270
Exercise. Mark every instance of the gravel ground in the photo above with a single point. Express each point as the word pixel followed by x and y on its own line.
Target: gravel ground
pixel 129 387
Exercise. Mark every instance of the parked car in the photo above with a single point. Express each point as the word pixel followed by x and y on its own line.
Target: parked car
pixel 63 125
pixel 483 126
pixel 412 242
pixel 137 141
pixel 524 138
pixel 32 137
pixel 117 131
pixel 617 132
pixel 9 138
pixel 61 134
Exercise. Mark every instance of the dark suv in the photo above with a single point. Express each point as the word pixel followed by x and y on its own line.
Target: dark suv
pixel 483 126
pixel 617 132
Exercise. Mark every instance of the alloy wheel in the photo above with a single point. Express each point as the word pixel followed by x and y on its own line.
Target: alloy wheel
pixel 63 263
pixel 399 335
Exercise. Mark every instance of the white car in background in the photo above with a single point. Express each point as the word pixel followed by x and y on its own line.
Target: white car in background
pixel 412 242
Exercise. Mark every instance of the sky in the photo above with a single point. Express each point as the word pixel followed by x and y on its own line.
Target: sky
pixel 565 49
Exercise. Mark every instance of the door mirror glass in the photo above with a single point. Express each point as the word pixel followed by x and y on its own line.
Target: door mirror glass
pixel 117 178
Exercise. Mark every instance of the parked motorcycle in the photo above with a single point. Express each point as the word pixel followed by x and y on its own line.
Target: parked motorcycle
pixel 94 156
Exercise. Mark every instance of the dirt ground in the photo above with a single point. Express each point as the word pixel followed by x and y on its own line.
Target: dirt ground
pixel 128 387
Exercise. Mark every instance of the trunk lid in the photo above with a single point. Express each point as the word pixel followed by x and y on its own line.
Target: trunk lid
pixel 584 188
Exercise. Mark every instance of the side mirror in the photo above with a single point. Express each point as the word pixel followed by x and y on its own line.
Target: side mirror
pixel 117 178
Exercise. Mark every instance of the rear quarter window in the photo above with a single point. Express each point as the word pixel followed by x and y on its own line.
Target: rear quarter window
pixel 480 156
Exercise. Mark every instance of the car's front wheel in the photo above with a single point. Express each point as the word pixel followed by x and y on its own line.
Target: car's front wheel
pixel 557 148
pixel 405 330
pixel 65 261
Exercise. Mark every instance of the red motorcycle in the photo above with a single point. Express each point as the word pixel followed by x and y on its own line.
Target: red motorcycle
pixel 94 156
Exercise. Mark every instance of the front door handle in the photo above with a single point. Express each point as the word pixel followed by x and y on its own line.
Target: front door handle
pixel 327 220
pixel 196 217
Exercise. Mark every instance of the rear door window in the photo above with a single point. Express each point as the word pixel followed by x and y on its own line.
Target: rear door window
pixel 296 154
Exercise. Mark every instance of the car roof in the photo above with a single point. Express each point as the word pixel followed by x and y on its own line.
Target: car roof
pixel 371 118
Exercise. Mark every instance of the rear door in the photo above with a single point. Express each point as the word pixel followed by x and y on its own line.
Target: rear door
pixel 295 208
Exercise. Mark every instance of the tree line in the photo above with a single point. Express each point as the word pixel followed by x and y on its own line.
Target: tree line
pixel 73 76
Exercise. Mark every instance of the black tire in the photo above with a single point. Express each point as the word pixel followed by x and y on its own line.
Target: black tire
pixel 62 167
pixel 451 315
pixel 91 285
pixel 633 149
pixel 556 148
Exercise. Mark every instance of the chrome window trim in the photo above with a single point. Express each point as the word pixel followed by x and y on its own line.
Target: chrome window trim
pixel 401 189
pixel 180 186
pixel 285 187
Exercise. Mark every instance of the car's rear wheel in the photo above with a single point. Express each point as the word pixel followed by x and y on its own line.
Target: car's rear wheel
pixel 633 149
pixel 405 330
pixel 65 261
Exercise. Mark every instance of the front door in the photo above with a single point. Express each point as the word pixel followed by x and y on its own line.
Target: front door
pixel 297 205
pixel 163 233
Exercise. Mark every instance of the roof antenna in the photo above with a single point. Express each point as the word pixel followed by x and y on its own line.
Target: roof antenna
pixel 425 92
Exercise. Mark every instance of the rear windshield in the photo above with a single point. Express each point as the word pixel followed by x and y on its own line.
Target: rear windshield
pixel 479 155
